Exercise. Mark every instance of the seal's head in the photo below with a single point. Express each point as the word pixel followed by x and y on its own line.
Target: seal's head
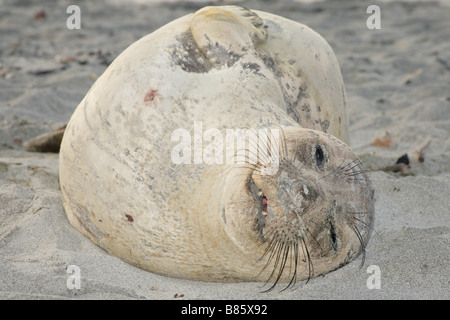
pixel 312 215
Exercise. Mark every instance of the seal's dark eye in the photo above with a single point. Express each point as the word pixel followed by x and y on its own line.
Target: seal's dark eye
pixel 320 158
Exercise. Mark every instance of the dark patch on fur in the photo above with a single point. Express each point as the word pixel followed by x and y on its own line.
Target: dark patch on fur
pixel 292 106
pixel 270 63
pixel 324 125
pixel 224 218
pixel 293 113
pixel 254 67
pixel 194 61
pixel 251 66
pixel 306 108
pixel 222 56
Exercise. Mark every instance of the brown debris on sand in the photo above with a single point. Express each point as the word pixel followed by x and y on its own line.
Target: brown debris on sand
pixel 420 156
pixel 384 141
pixel 402 166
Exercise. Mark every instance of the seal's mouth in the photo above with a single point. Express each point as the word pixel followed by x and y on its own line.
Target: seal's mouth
pixel 264 204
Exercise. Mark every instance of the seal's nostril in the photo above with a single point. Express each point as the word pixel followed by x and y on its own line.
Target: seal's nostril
pixel 333 237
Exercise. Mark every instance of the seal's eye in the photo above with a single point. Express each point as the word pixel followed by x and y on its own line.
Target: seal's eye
pixel 320 158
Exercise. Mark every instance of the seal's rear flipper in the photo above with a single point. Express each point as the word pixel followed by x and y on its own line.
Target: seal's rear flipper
pixel 228 32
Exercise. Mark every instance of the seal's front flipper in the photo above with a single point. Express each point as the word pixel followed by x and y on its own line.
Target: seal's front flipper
pixel 227 32
pixel 47 142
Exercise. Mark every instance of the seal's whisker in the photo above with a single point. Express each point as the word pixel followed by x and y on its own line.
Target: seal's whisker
pixel 363 246
pixel 316 223
pixel 272 248
pixel 253 144
pixel 278 255
pixel 326 175
pixel 350 179
pixel 244 174
pixel 264 242
pixel 291 260
pixel 273 242
pixel 247 157
pixel 268 147
pixel 343 161
pixel 294 261
pixel 284 144
pixel 285 259
pixel 276 252
pixel 352 165
pixel 339 169
pixel 245 166
pixel 308 259
pixel 283 254
pixel 314 238
pixel 294 276
pixel 281 251
pixel 368 226
pixel 283 151
pixel 262 152
pixel 284 141
pixel 355 173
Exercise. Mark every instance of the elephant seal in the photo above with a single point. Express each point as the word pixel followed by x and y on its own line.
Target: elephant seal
pixel 137 183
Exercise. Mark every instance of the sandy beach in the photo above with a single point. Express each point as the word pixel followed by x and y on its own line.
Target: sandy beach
pixel 397 81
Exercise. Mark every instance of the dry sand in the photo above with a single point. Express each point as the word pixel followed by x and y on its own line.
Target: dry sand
pixel 397 81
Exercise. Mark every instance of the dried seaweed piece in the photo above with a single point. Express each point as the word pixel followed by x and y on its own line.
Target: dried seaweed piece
pixel 384 141
pixel 40 15
pixel 399 167
pixel 403 159
pixel 419 151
